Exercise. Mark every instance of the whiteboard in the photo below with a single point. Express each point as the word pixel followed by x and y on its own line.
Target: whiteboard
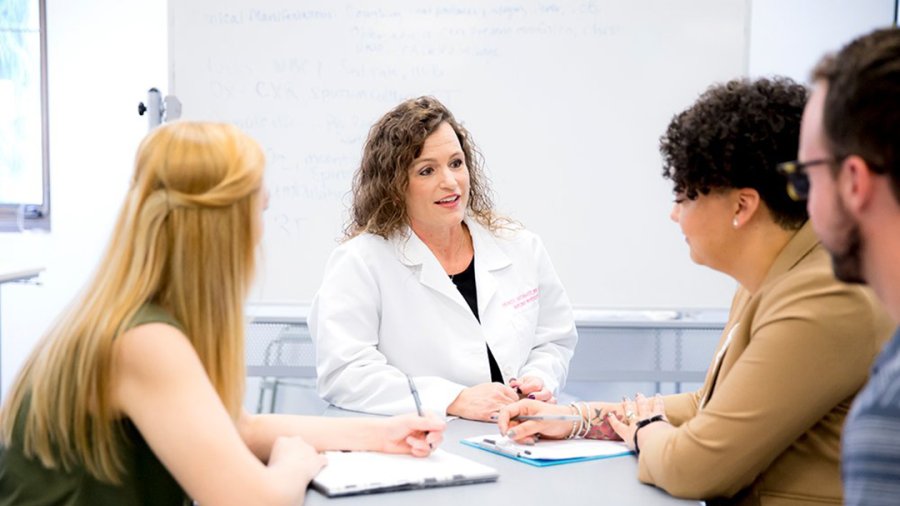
pixel 566 100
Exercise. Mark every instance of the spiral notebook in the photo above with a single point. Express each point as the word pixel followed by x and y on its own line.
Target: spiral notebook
pixel 549 453
pixel 353 473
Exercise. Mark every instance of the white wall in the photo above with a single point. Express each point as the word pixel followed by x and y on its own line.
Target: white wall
pixel 787 37
pixel 104 54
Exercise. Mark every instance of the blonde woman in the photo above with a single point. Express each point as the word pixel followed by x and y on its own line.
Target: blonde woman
pixel 134 395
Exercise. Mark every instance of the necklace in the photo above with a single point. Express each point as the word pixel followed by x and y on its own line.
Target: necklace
pixel 463 242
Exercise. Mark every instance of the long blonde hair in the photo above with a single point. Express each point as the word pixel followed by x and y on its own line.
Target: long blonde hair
pixel 185 239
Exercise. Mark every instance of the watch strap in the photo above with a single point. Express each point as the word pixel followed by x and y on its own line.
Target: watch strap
pixel 640 425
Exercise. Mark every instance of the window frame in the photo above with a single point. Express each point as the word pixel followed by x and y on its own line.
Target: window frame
pixel 17 217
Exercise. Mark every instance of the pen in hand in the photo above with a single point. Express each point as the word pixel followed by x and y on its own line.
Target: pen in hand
pixel 570 418
pixel 415 394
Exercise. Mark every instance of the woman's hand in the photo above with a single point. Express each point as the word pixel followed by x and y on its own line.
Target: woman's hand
pixel 641 408
pixel 528 431
pixel 532 387
pixel 412 434
pixel 600 426
pixel 482 401
pixel 293 456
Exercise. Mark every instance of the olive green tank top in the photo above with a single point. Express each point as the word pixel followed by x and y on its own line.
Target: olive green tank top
pixel 145 481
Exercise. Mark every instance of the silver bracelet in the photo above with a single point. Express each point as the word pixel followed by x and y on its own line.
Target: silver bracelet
pixel 585 420
pixel 575 425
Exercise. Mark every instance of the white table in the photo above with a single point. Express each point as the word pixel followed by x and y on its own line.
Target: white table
pixel 13 275
pixel 597 482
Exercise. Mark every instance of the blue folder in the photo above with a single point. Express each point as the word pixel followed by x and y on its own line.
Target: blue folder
pixel 521 455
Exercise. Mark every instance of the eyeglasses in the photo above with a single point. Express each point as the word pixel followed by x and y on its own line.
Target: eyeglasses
pixel 798 180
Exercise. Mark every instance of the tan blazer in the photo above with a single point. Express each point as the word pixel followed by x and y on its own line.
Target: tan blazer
pixel 769 432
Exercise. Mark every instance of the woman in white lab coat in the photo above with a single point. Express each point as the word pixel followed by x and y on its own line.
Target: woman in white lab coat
pixel 433 285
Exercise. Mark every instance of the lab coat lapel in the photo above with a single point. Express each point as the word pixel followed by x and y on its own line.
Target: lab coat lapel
pixel 488 258
pixel 413 252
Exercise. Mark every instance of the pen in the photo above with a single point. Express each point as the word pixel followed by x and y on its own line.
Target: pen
pixel 502 447
pixel 415 394
pixel 570 418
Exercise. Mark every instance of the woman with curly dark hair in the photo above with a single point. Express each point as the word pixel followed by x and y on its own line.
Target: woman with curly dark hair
pixel 765 426
pixel 432 284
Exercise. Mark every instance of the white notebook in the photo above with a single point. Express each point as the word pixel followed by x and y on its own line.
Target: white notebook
pixel 351 473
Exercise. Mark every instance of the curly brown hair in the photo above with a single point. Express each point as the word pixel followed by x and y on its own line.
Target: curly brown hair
pixel 733 137
pixel 394 142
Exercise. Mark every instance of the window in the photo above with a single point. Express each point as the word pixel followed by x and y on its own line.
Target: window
pixel 24 170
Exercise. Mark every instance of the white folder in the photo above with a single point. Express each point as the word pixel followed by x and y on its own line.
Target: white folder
pixel 351 473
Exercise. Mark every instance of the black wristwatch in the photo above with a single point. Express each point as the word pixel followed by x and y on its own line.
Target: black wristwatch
pixel 641 424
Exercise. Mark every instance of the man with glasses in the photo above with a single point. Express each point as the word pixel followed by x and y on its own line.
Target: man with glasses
pixel 850 173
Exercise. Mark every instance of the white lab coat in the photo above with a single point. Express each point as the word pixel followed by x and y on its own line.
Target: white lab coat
pixel 386 309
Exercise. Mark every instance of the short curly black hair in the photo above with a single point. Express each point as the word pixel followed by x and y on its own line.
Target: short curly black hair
pixel 733 137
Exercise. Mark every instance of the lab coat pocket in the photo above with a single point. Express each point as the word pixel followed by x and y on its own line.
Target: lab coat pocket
pixel 525 323
pixel 520 327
